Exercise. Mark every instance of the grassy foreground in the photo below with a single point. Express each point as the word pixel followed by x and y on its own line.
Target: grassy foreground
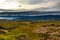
pixel 30 30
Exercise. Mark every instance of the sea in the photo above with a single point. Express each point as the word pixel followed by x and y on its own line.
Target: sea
pixel 35 15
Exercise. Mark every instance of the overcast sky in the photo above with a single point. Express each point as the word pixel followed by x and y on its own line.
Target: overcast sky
pixel 30 5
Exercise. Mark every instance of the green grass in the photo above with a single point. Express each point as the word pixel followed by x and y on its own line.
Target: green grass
pixel 30 30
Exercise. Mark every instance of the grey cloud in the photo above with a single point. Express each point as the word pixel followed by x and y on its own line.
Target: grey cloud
pixel 56 7
pixel 37 1
pixel 40 1
pixel 33 1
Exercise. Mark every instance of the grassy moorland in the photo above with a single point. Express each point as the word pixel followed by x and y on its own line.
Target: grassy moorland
pixel 30 30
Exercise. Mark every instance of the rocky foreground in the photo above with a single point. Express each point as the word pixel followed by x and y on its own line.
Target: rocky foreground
pixel 30 30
